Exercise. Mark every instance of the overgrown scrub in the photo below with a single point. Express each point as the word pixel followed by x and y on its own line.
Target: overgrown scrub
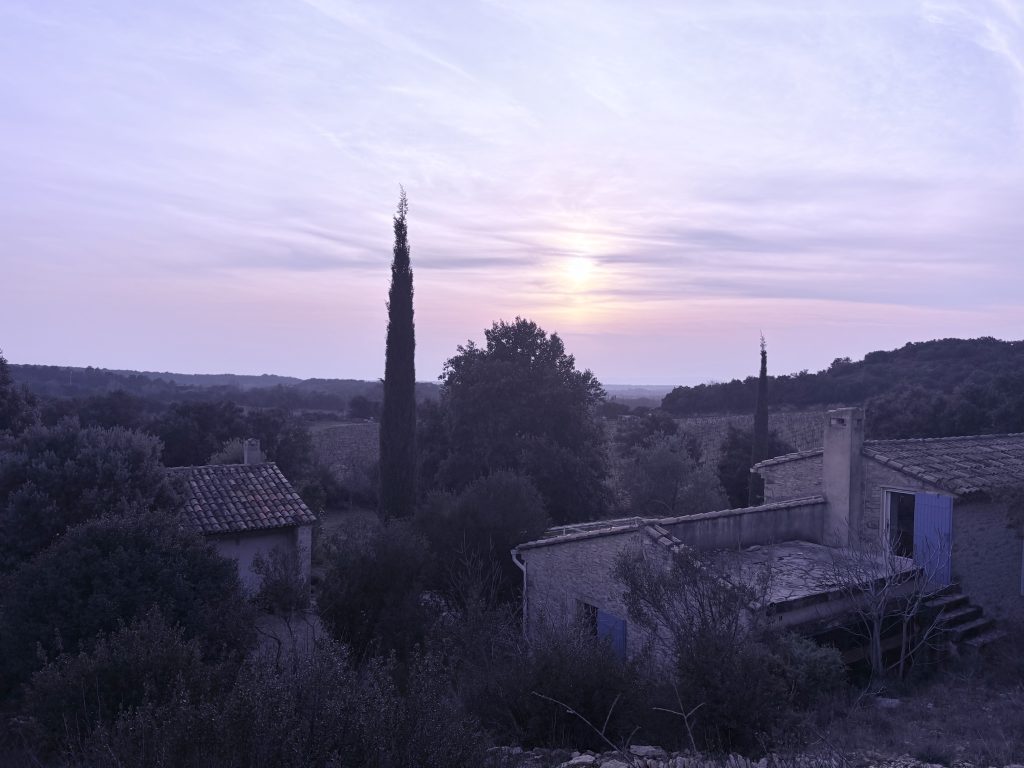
pixel 482 524
pixel 371 594
pixel 741 683
pixel 315 709
pixel 148 663
pixel 508 683
pixel 109 572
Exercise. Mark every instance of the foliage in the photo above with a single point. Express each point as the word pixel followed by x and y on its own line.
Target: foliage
pixel 640 431
pixel 924 389
pixel 742 682
pixel 519 404
pixel 662 479
pixel 484 522
pixel 734 463
pixel 284 440
pixel 398 410
pixel 370 597
pixel 193 431
pixel 18 407
pixel 52 478
pixel 361 407
pixel 316 710
pixel 146 662
pixel 110 571
pixel 283 587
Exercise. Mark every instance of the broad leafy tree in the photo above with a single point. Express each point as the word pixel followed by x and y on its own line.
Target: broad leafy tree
pixel 52 478
pixel 398 412
pixel 518 403
pixel 663 478
pixel 109 572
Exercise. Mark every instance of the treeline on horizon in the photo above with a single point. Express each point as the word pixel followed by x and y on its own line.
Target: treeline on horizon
pixel 264 391
pixel 924 389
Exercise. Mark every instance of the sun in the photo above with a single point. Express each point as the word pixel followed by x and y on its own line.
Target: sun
pixel 579 269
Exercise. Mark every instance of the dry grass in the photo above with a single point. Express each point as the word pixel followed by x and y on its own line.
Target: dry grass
pixel 972 711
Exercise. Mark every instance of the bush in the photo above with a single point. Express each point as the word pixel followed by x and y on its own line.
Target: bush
pixel 112 571
pixel 370 597
pixel 316 710
pixel 482 524
pixel 744 681
pixel 147 663
pixel 55 477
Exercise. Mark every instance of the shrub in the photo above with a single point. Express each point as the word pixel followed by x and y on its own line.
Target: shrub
pixel 55 477
pixel 370 597
pixel 112 571
pixel 743 680
pixel 147 663
pixel 483 523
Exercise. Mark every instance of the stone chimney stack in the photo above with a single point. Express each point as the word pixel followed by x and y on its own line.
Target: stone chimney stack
pixel 841 475
pixel 251 451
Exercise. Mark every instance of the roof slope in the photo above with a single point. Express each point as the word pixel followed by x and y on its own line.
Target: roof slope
pixel 964 465
pixel 228 498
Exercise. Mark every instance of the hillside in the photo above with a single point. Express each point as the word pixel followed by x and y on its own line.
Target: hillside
pixel 923 389
pixel 264 390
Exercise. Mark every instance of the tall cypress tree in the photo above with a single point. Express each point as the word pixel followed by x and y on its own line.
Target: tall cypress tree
pixel 759 450
pixel 398 411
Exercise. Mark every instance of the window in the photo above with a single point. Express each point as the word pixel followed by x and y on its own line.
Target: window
pixel 602 624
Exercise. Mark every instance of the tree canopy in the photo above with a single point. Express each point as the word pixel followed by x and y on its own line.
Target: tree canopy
pixel 52 478
pixel 518 403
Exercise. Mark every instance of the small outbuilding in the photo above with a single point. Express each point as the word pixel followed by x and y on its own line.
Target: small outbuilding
pixel 246 510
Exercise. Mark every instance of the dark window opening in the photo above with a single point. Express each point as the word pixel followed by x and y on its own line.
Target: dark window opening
pixel 901 523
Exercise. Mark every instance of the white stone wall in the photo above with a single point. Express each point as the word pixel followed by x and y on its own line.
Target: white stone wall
pixel 243 548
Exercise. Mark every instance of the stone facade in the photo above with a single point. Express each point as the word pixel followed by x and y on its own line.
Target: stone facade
pixel 561 576
pixel 988 558
pixel 243 547
pixel 793 479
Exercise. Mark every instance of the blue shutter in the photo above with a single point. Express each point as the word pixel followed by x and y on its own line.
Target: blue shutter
pixel 614 629
pixel 933 536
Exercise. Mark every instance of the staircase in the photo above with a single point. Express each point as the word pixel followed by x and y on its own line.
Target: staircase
pixel 961 622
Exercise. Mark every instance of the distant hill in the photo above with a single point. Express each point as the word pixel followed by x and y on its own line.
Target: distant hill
pixel 923 389
pixel 264 390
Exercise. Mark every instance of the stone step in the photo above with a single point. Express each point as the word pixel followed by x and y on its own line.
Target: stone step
pixel 985 638
pixel 970 629
pixel 958 616
pixel 946 602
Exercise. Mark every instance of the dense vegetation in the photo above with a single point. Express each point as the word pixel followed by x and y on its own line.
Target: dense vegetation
pixel 125 639
pixel 923 389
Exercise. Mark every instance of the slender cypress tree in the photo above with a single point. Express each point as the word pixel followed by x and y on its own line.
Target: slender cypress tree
pixel 759 451
pixel 398 411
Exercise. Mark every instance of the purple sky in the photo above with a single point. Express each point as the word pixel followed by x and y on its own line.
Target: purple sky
pixel 208 186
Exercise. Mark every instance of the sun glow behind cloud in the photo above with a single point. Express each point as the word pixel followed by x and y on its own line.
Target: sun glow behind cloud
pixel 842 176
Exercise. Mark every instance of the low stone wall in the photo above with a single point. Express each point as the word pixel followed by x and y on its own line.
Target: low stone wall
pixel 797 520
pixel 347 446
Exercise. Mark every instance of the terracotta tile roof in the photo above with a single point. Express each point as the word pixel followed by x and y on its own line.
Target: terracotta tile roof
pixel 227 498
pixel 963 465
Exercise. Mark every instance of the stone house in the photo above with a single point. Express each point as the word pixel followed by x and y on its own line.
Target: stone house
pixel 953 504
pixel 246 510
pixel 851 498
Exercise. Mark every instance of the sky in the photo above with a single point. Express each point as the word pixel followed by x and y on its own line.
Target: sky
pixel 208 187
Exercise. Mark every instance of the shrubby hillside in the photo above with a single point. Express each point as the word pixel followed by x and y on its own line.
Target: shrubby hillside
pixel 923 389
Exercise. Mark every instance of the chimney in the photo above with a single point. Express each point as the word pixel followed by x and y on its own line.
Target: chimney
pixel 251 451
pixel 841 475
